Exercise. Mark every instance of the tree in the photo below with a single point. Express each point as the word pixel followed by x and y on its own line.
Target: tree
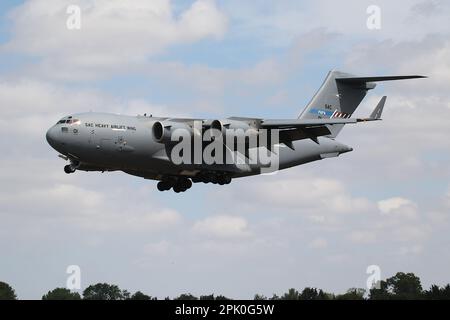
pixel 260 297
pixel 314 294
pixel 405 286
pixel 352 294
pixel 7 292
pixel 322 295
pixel 61 294
pixel 211 297
pixel 103 291
pixel 292 294
pixel 437 293
pixel 186 296
pixel 140 296
pixel 309 294
pixel 380 293
pixel 400 286
pixel 126 295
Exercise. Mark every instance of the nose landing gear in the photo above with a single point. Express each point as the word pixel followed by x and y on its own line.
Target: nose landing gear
pixel 71 168
pixel 68 169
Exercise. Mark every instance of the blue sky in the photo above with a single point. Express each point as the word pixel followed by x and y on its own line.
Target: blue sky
pixel 322 224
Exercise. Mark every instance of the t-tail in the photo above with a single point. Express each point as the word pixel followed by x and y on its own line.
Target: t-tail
pixel 339 96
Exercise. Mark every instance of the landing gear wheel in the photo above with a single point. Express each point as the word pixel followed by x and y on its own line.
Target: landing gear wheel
pixel 182 185
pixel 221 180
pixel 163 186
pixel 187 184
pixel 68 169
pixel 227 179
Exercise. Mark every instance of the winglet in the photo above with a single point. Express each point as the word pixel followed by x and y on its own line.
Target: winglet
pixel 376 113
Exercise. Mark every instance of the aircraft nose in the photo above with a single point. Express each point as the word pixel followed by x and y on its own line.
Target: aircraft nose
pixel 51 136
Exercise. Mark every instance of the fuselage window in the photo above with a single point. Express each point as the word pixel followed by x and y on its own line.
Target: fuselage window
pixel 64 129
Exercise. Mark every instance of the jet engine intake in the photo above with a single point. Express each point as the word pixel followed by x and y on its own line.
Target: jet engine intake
pixel 162 131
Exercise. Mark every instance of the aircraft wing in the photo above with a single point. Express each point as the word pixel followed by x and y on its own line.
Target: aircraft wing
pixel 295 129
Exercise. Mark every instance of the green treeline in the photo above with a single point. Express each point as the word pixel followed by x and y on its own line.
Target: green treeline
pixel 402 286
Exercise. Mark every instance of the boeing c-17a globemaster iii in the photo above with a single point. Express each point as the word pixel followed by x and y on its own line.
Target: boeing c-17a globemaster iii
pixel 178 152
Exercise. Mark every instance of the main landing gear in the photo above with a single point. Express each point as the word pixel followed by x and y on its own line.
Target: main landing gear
pixel 181 184
pixel 214 178
pixel 178 184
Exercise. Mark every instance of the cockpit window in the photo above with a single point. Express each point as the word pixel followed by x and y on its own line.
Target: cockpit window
pixel 69 121
pixel 73 121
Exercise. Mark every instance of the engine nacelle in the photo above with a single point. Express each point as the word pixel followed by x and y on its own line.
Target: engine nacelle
pixel 162 131
pixel 218 125
pixel 241 129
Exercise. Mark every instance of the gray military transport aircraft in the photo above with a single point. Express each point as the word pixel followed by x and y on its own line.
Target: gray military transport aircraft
pixel 175 151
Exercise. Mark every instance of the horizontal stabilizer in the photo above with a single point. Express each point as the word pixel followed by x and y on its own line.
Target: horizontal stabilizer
pixel 302 123
pixel 375 79
pixel 376 113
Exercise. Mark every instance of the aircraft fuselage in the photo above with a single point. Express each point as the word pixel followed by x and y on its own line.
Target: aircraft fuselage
pixel 109 142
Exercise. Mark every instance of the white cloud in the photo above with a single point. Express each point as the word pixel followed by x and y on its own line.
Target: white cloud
pixel 278 23
pixel 409 143
pixel 35 105
pixel 22 97
pixel 158 248
pixel 429 56
pixel 411 250
pixel 305 195
pixel 245 80
pixel 146 221
pixel 363 236
pixel 114 35
pixel 402 207
pixel 439 217
pixel 411 233
pixel 318 243
pixel 403 222
pixel 222 226
pixel 85 208
pixel 203 19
